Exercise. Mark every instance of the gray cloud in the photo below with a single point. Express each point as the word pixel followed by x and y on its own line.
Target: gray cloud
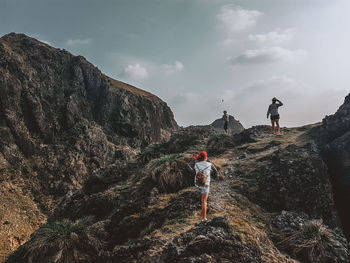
pixel 135 72
pixel 173 68
pixel 201 34
pixel 235 18
pixel 273 37
pixel 266 55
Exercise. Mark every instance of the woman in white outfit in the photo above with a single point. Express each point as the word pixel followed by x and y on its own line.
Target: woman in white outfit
pixel 203 165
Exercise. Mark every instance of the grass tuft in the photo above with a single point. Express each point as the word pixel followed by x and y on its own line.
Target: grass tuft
pixel 61 241
pixel 151 152
pixel 308 243
pixel 168 158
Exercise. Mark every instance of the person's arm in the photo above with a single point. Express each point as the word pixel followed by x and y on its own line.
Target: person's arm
pixel 214 171
pixel 195 177
pixel 280 103
pixel 268 112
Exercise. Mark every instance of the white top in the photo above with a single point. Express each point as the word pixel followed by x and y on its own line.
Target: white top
pixel 201 166
pixel 273 109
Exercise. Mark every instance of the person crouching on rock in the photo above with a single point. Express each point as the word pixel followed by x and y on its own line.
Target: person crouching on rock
pixel 273 110
pixel 202 179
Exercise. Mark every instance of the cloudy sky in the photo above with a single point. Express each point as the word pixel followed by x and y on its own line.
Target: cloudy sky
pixel 204 56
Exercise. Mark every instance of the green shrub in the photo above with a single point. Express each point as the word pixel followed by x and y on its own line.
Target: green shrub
pixel 168 158
pixel 151 152
pixel 216 137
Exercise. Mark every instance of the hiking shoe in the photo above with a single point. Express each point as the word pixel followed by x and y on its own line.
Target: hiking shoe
pixel 271 132
pixel 277 132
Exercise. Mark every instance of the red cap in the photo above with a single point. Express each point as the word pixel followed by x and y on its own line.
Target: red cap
pixel 201 156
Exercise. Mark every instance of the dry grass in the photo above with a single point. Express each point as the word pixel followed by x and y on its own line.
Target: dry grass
pixel 175 227
pixel 118 85
pixel 19 218
pixel 219 162
pixel 249 221
pixel 308 243
pixel 62 242
pixel 171 174
pixel 254 232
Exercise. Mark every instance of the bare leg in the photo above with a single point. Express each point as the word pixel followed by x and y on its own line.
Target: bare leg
pixel 278 126
pixel 204 205
pixel 273 126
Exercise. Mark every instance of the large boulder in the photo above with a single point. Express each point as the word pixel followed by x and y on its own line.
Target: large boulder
pixel 296 179
pixel 234 126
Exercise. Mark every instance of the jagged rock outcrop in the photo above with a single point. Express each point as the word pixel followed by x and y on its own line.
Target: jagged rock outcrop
pixel 281 179
pixel 284 173
pixel 62 121
pixel 234 126
pixel 335 134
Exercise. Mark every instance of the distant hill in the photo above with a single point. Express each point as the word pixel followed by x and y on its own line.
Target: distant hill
pixel 234 126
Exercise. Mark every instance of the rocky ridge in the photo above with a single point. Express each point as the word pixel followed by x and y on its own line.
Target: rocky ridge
pixel 100 172
pixel 258 211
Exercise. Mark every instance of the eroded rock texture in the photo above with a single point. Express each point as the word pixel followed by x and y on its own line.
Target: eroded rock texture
pixel 62 121
pixel 336 134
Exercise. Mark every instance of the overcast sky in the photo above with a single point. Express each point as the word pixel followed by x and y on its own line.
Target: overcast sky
pixel 204 56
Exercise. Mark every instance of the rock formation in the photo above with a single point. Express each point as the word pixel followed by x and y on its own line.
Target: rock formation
pixel 100 172
pixel 272 203
pixel 234 126
pixel 62 120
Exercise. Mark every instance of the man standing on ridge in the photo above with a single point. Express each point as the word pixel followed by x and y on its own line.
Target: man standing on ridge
pixel 225 117
pixel 273 110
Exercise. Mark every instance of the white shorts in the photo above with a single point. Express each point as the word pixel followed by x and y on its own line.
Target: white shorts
pixel 204 189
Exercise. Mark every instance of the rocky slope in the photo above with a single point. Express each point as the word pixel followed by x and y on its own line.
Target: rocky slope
pixel 271 202
pixel 62 121
pixel 234 126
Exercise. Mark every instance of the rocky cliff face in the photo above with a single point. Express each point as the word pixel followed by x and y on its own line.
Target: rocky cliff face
pixel 336 137
pixel 61 121
pixel 234 126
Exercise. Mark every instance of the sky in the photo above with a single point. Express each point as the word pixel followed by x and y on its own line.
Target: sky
pixel 205 56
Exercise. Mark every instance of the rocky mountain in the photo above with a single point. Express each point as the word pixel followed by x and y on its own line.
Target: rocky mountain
pixel 61 121
pixel 94 170
pixel 336 139
pixel 271 202
pixel 234 126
